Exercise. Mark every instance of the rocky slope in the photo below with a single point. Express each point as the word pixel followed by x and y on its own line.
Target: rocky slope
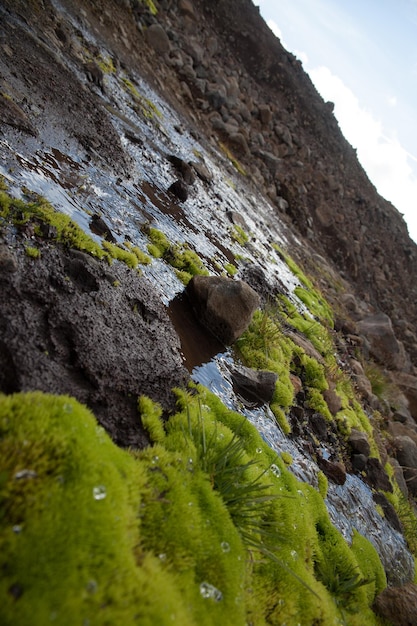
pixel 185 134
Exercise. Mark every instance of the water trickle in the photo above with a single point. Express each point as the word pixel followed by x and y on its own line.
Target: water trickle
pixel 99 492
pixel 209 591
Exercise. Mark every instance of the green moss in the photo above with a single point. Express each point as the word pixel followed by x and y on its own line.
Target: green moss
pixel 316 304
pixel 239 235
pixel 230 269
pixel 20 212
pixel 116 252
pixel 233 160
pixel 316 402
pixel 323 484
pixel 205 527
pixel 141 104
pixel 33 253
pixel 151 6
pixel 150 413
pixel 106 64
pixel 186 262
pixel 287 458
pixel 142 257
pixel 159 242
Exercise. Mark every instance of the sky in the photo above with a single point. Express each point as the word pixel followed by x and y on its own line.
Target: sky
pixel 362 55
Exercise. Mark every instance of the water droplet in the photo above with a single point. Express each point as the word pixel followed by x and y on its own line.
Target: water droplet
pixel 155 459
pixel 99 492
pixel 259 450
pixel 275 470
pixel 294 554
pixel 225 546
pixel 25 473
pixel 67 408
pixel 92 586
pixel 210 591
pixel 190 504
pixel 162 556
pixel 17 529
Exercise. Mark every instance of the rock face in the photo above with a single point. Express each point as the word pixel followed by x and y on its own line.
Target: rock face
pixel 71 325
pixel 225 306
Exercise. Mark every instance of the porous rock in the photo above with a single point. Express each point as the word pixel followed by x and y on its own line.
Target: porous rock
pixel 68 326
pixel 225 306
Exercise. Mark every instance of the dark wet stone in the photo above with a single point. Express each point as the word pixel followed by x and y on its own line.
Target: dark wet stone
pixel 406 454
pixel 334 470
pixel 254 385
pixel 359 462
pixel 99 227
pixel 318 425
pixel 376 476
pixel 359 443
pixel 389 511
pixel 103 345
pixel 179 189
pixel 183 168
pixel 202 171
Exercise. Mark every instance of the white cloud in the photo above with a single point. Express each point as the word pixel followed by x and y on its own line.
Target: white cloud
pixel 386 162
pixel 275 28
pixel 278 33
pixel 392 101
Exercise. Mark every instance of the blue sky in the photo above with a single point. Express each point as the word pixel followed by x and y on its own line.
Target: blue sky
pixel 362 55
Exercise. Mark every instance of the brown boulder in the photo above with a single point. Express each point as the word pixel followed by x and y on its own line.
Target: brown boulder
pixel 225 306
pixel 398 605
pixel 157 38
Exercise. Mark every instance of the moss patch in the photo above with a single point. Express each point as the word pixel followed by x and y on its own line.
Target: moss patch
pixel 185 261
pixel 208 514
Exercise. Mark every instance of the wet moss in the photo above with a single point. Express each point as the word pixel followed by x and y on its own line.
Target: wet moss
pixel 90 532
pixel 32 252
pixel 40 211
pixel 239 235
pixel 230 269
pixel 233 160
pixel 151 6
pixel 185 261
pixel 142 105
pixel 116 252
